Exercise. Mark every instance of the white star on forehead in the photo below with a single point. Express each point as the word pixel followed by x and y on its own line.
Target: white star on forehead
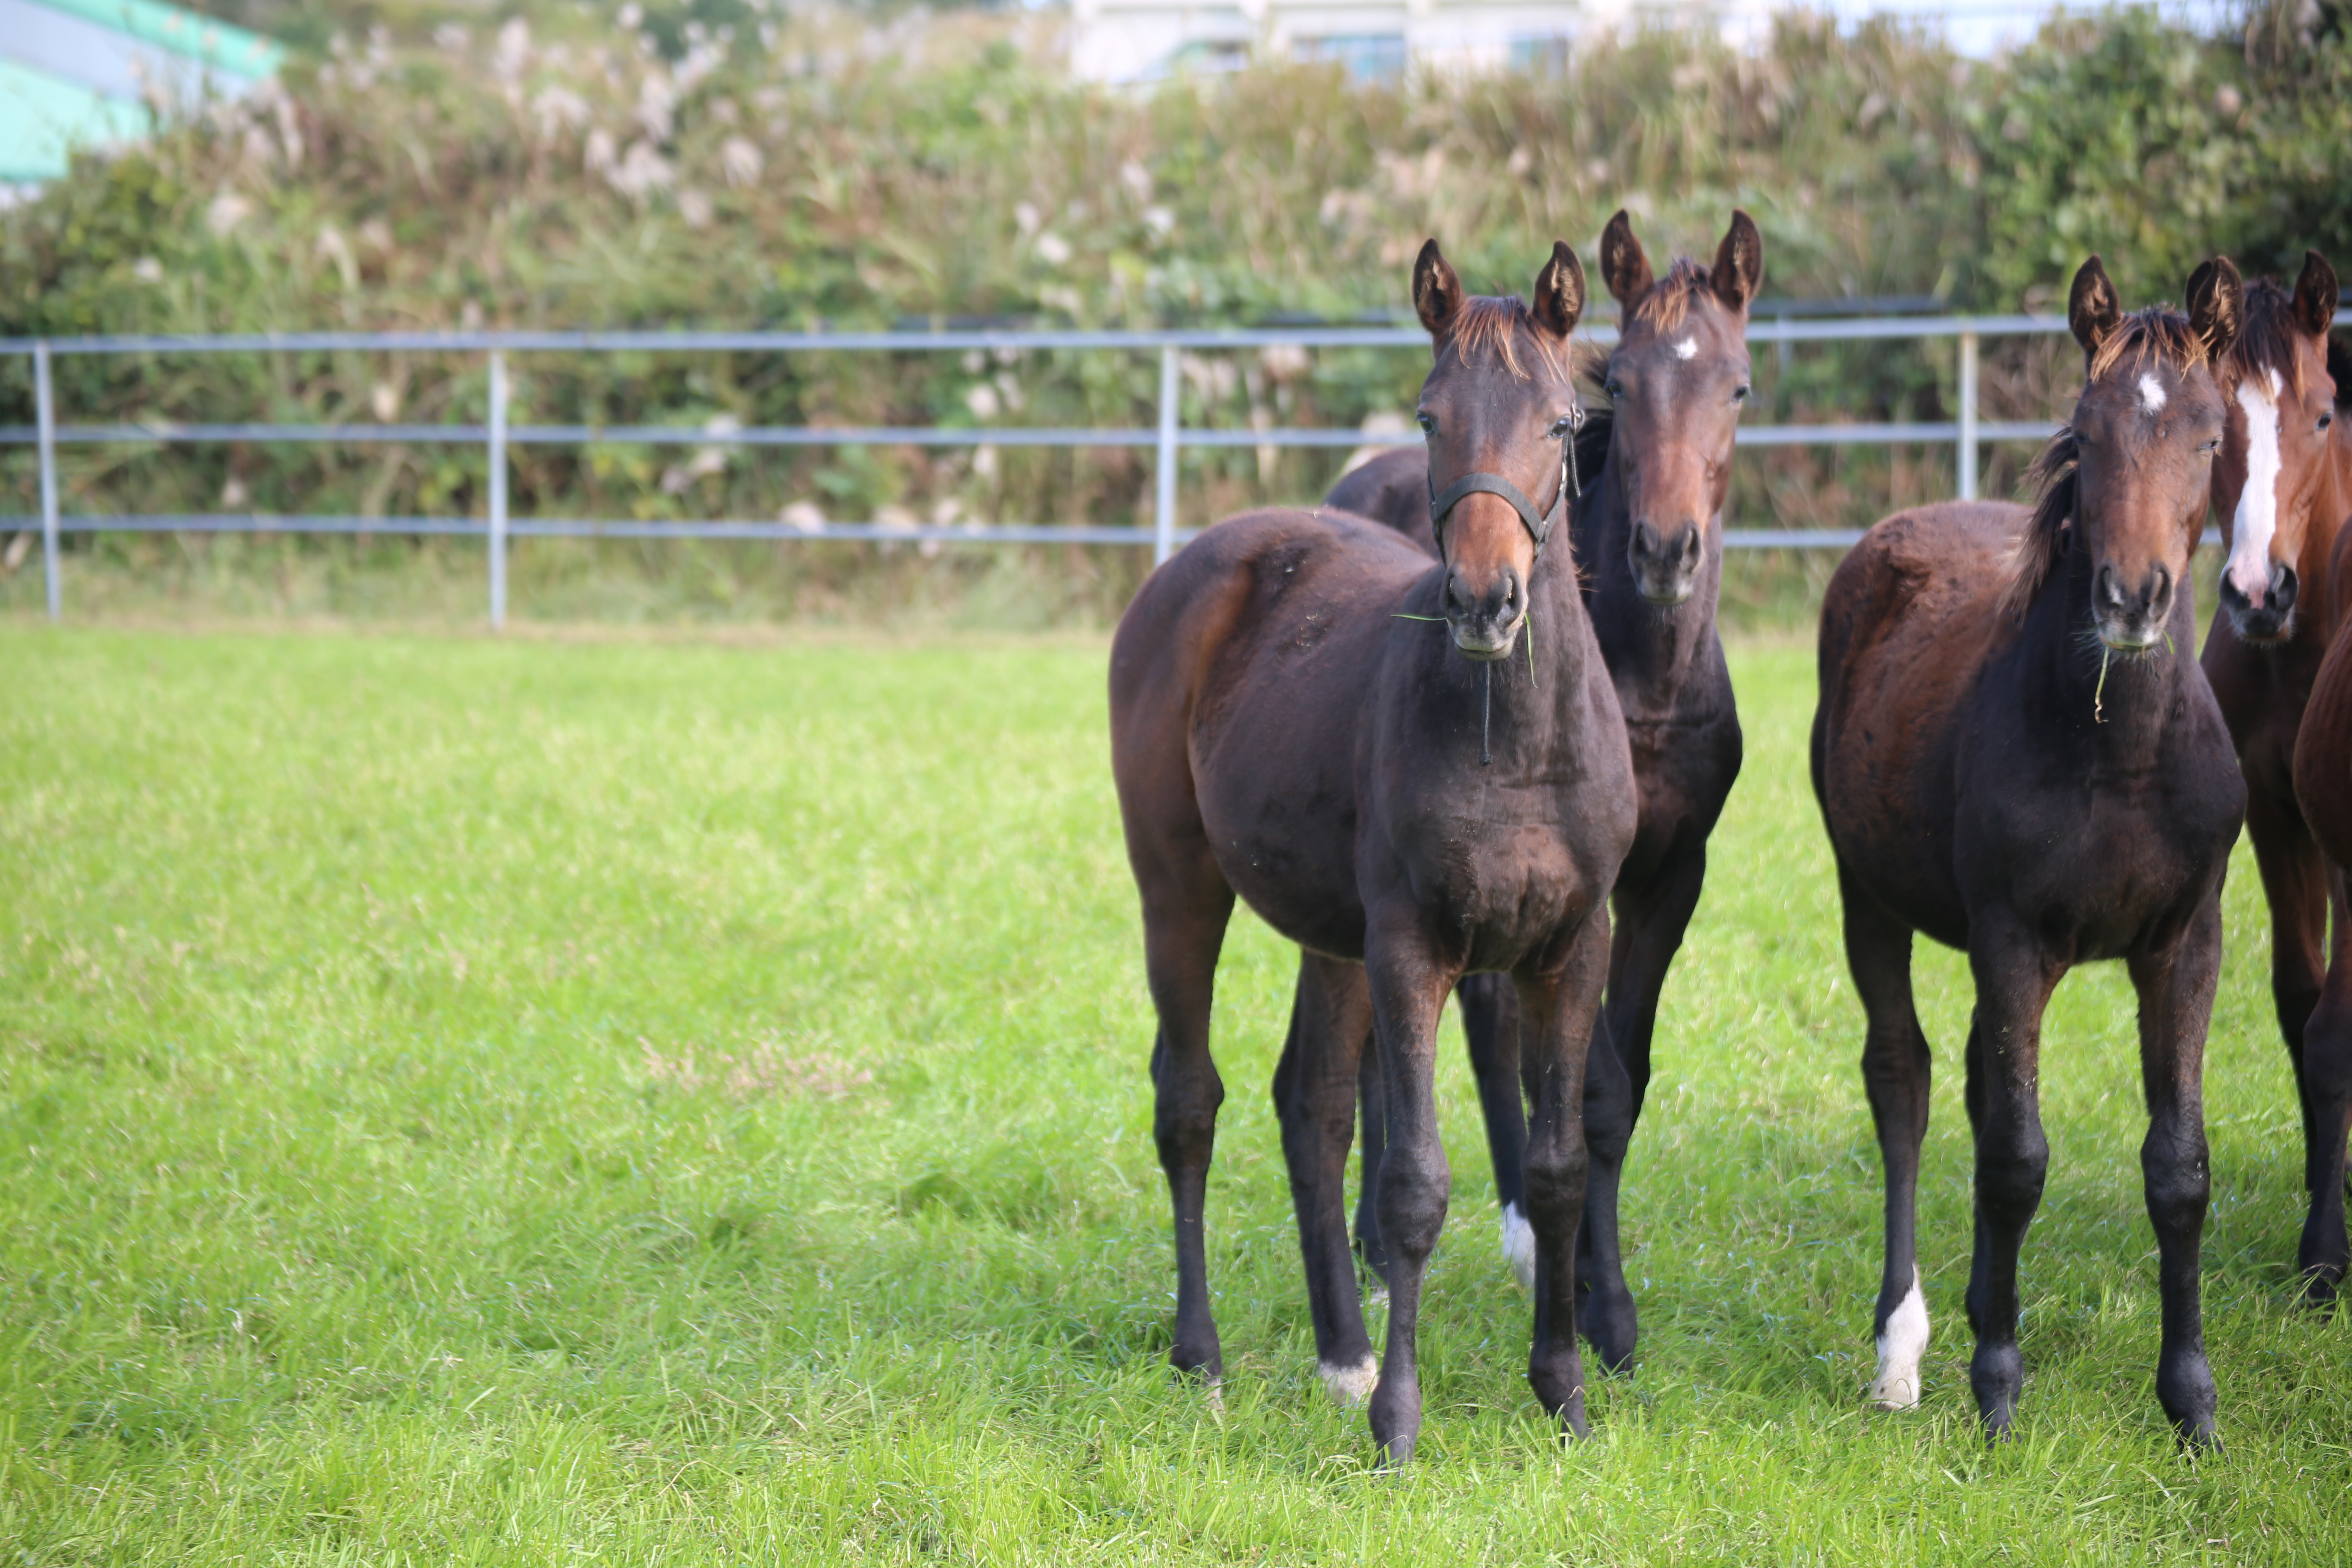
pixel 2151 395
pixel 1686 349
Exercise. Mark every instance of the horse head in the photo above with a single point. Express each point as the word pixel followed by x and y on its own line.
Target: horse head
pixel 1500 394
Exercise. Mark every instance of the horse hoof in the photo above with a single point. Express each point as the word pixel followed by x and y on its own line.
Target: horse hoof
pixel 1519 1246
pixel 1349 1386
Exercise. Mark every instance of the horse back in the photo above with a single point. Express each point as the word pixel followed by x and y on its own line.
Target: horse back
pixel 1907 623
pixel 1392 488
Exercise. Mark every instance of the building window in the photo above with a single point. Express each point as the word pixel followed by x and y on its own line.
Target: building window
pixel 1365 56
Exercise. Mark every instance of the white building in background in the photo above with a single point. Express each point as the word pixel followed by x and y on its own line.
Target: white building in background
pixel 1137 40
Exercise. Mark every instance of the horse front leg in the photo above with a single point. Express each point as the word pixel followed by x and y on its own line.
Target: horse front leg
pixel 2327 1078
pixel 1649 933
pixel 1557 1008
pixel 2014 976
pixel 1315 1097
pixel 2175 1005
pixel 1409 982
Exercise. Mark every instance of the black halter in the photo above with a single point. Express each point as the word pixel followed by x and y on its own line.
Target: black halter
pixel 1539 524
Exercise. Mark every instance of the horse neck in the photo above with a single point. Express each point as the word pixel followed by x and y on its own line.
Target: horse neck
pixel 1652 649
pixel 2116 707
pixel 2323 599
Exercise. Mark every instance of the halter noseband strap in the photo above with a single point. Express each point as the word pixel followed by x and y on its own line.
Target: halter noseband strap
pixel 1539 524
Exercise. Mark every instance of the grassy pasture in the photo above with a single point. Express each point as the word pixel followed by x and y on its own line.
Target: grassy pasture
pixel 475 1102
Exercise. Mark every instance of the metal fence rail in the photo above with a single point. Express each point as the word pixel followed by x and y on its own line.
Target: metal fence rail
pixel 1167 438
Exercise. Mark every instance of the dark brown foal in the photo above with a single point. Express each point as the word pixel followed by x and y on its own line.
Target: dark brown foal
pixel 1425 800
pixel 2322 785
pixel 2016 754
pixel 2281 486
pixel 1648 532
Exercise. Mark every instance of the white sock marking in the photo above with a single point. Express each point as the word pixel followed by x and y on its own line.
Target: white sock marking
pixel 1896 1386
pixel 2151 395
pixel 2256 522
pixel 1350 1387
pixel 1686 349
pixel 1519 1245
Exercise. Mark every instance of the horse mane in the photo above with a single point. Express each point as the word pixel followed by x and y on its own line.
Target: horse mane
pixel 2159 333
pixel 1497 323
pixel 2057 474
pixel 1592 444
pixel 2339 370
pixel 2267 340
pixel 1668 301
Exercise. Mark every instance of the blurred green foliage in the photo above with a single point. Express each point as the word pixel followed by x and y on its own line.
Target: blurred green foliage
pixel 732 163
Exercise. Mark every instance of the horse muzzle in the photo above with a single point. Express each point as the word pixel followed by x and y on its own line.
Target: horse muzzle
pixel 2269 618
pixel 1486 623
pixel 2131 620
pixel 1665 565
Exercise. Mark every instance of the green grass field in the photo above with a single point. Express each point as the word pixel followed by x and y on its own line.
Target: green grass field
pixel 538 1102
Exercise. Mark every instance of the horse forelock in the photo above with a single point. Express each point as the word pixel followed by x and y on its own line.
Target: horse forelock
pixel 1667 304
pixel 2056 472
pixel 1495 324
pixel 2158 335
pixel 2268 340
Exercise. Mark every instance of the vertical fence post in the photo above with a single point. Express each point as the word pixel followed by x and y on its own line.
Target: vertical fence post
pixel 498 489
pixel 1163 511
pixel 1967 458
pixel 45 410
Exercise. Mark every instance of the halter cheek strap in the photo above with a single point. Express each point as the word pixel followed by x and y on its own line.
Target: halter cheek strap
pixel 1537 523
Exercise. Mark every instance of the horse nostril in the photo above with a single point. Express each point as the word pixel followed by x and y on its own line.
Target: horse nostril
pixel 2107 591
pixel 1690 544
pixel 2161 599
pixel 1645 539
pixel 1457 601
pixel 2283 585
pixel 1510 589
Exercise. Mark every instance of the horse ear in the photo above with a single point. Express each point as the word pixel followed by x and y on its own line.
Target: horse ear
pixel 1623 266
pixel 2092 311
pixel 2217 304
pixel 1738 269
pixel 2315 296
pixel 1436 292
pixel 1559 291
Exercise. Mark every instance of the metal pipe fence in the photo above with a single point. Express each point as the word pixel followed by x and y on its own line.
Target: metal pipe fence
pixel 1167 438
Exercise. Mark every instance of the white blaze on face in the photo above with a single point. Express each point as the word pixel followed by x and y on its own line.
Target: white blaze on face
pixel 2151 395
pixel 1688 349
pixel 1900 1346
pixel 2256 522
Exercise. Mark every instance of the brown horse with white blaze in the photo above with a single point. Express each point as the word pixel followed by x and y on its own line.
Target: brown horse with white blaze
pixel 2015 755
pixel 2282 486
pixel 1286 727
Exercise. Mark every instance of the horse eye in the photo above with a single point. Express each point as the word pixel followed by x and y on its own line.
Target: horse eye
pixel 1428 423
pixel 2210 447
pixel 2326 420
pixel 1562 426
pixel 1740 393
pixel 1613 387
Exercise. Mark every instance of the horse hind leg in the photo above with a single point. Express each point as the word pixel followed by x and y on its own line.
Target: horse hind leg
pixel 1186 903
pixel 1490 1024
pixel 1314 1097
pixel 1896 1071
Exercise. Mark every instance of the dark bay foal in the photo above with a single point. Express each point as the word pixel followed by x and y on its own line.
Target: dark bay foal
pixel 2281 484
pixel 1648 532
pixel 2015 755
pixel 2322 785
pixel 1423 802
